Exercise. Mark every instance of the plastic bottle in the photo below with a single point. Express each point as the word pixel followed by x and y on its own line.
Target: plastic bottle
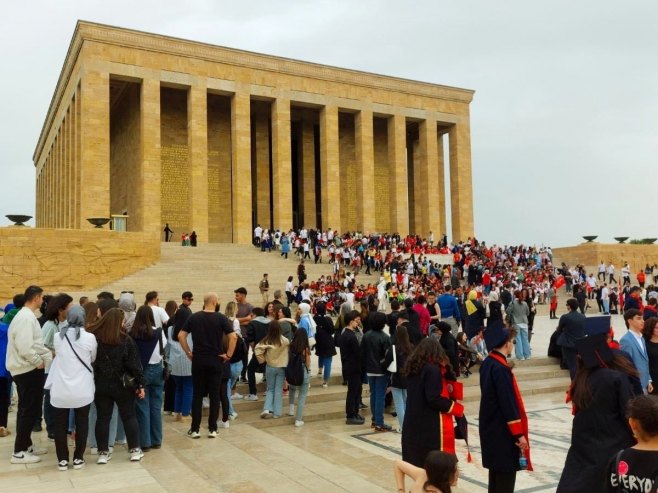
pixel 523 462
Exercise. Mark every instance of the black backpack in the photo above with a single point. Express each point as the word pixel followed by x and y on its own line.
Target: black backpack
pixel 295 368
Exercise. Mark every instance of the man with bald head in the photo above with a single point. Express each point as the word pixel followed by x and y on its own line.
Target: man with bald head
pixel 209 356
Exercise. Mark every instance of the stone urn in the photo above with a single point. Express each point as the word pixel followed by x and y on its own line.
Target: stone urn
pixel 590 239
pixel 98 222
pixel 621 239
pixel 18 219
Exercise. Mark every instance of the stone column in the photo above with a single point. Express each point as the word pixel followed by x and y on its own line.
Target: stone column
pixel 148 216
pixel 69 165
pixel 442 225
pixel 307 189
pixel 197 137
pixel 241 168
pixel 365 160
pixel 461 182
pixel 95 145
pixel 281 165
pixel 329 170
pixel 399 183
pixel 261 134
pixel 429 178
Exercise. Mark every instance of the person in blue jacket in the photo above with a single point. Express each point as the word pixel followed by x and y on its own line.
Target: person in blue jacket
pixel 4 381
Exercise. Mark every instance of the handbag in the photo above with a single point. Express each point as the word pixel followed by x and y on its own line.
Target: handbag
pixel 393 366
pixel 76 355
pixel 126 379
pixel 166 367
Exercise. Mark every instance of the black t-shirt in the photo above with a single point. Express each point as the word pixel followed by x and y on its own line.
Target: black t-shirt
pixel 639 470
pixel 207 330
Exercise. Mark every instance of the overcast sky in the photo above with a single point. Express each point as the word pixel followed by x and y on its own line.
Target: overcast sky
pixel 564 120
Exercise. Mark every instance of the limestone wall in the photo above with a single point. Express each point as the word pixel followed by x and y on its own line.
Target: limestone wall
pixel 591 254
pixel 66 259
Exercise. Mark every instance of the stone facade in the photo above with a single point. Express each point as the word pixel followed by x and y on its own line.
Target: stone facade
pixel 218 140
pixel 73 260
pixel 591 254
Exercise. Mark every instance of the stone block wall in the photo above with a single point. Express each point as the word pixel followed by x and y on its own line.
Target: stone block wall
pixel 591 254
pixel 67 259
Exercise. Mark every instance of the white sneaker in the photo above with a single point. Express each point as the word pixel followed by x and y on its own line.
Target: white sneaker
pixel 63 465
pixel 78 463
pixel 212 434
pixel 223 424
pixel 237 396
pixel 266 415
pixel 325 385
pixel 104 458
pixel 298 423
pixel 233 415
pixel 291 410
pixel 193 434
pixel 37 451
pixel 24 458
pixel 251 397
pixel 136 454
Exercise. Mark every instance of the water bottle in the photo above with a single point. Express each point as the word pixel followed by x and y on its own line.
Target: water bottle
pixel 523 462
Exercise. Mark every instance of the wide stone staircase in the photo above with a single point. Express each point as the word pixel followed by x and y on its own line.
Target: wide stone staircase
pixel 225 267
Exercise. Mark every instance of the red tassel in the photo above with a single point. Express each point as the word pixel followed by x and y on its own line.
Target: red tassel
pixel 468 457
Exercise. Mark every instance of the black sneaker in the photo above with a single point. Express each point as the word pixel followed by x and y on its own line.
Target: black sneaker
pixel 37 428
pixel 381 428
pixel 363 406
pixel 354 421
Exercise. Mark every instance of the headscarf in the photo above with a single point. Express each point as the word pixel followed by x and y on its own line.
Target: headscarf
pixel 493 296
pixel 470 306
pixel 75 318
pixel 305 308
pixel 127 305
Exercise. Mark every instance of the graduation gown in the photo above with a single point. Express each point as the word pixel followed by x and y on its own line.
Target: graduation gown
pixel 599 432
pixel 502 416
pixel 428 418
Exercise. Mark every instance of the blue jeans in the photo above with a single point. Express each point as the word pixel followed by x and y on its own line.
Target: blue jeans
pixel 236 370
pixel 303 391
pixel 522 347
pixel 149 409
pixel 91 438
pixel 377 395
pixel 324 362
pixel 400 400
pixel 274 395
pixel 183 398
pixel 606 306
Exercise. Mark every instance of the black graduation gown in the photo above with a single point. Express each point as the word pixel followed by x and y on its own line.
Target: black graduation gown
pixel 598 432
pixel 501 420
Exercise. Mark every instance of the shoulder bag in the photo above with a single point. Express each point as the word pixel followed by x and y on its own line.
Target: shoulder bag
pixel 166 367
pixel 126 379
pixel 77 356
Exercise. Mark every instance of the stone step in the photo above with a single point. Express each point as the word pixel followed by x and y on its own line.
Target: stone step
pixel 325 404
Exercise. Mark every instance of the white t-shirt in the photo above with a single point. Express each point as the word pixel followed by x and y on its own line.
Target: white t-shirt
pixel 160 316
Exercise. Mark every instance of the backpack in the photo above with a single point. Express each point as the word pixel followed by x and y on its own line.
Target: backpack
pixel 295 368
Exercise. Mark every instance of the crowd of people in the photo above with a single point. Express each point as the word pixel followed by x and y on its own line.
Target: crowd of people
pixel 110 369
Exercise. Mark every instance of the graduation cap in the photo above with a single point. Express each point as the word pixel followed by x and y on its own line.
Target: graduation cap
pixel 461 433
pixel 594 350
pixel 495 335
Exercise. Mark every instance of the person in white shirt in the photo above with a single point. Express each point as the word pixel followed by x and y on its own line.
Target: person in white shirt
pixel 159 314
pixel 71 385
pixel 626 275
pixel 605 299
pixel 611 273
pixel 26 359
pixel 602 271
pixel 258 232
